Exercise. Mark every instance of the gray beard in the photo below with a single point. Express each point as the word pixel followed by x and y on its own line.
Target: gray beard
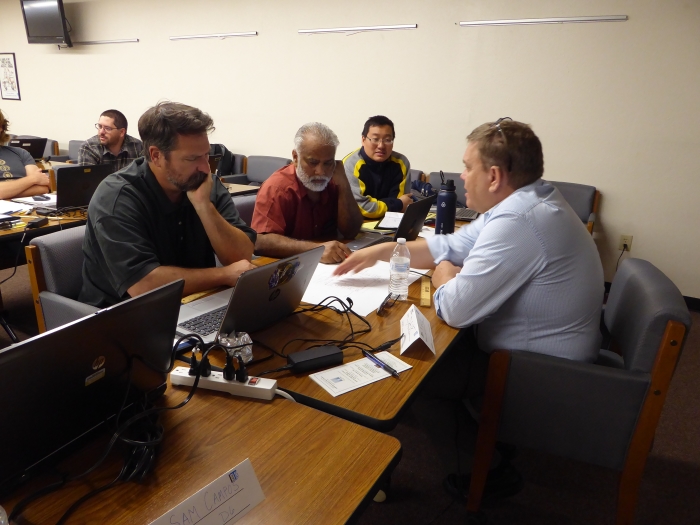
pixel 309 184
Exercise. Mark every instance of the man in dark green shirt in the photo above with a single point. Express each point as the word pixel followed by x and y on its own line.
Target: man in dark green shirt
pixel 164 217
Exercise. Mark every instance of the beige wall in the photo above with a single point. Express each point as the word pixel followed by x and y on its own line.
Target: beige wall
pixel 615 104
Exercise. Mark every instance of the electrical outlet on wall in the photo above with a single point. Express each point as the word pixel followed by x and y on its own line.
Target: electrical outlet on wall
pixel 625 239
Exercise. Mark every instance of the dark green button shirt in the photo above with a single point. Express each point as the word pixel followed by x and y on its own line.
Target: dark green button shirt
pixel 133 228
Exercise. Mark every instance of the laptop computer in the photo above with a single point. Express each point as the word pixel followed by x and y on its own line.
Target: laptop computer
pixel 410 226
pixel 461 213
pixel 60 386
pixel 75 185
pixel 261 297
pixel 35 147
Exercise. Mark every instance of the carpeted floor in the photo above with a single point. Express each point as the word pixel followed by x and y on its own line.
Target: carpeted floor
pixel 557 491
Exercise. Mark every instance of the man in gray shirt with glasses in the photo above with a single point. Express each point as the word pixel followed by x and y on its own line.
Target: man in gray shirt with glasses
pixel 111 144
pixel 377 173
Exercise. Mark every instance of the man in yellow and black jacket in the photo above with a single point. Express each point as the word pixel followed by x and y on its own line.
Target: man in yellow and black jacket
pixel 377 173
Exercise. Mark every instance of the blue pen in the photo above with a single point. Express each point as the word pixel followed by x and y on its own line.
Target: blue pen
pixel 380 363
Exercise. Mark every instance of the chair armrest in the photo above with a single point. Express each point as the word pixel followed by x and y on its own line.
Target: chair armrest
pixel 578 410
pixel 59 310
pixel 59 158
pixel 235 179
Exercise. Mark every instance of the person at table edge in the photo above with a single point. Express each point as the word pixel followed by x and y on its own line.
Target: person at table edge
pixel 164 217
pixel 19 174
pixel 111 144
pixel 526 274
pixel 377 174
pixel 307 201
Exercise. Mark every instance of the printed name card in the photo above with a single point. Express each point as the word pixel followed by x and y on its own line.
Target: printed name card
pixel 415 330
pixel 224 500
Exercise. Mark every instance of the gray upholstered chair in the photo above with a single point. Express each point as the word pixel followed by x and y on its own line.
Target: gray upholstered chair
pixel 603 413
pixel 259 168
pixel 582 198
pixel 55 265
pixel 245 204
pixel 434 180
pixel 74 150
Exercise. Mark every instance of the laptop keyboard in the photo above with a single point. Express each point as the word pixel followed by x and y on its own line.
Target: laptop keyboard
pixel 206 323
pixel 466 214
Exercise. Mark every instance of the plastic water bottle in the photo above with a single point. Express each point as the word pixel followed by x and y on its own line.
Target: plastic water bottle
pixel 446 208
pixel 400 263
pixel 3 517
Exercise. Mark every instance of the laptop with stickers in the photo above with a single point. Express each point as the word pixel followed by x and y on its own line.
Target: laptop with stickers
pixel 261 297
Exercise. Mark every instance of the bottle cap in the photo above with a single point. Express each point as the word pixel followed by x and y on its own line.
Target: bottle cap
pixel 448 185
pixel 401 240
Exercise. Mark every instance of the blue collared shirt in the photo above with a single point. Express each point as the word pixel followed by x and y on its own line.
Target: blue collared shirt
pixel 531 277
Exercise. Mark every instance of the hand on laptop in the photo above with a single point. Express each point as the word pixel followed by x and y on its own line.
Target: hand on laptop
pixel 406 200
pixel 235 270
pixel 334 252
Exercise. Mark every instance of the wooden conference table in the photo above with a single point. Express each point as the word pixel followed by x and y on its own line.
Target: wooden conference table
pixel 312 467
pixel 378 405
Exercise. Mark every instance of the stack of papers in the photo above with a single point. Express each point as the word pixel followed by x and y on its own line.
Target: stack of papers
pixel 8 207
pixel 49 201
pixel 367 289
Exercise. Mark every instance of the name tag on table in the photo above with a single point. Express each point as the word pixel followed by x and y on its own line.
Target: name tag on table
pixel 415 329
pixel 225 500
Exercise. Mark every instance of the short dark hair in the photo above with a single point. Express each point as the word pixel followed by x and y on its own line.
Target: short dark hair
pixel 378 120
pixel 118 118
pixel 160 125
pixel 512 146
pixel 4 124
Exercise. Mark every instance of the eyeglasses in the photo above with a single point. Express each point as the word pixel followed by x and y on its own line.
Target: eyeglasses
pixel 100 127
pixel 497 125
pixel 375 140
pixel 388 301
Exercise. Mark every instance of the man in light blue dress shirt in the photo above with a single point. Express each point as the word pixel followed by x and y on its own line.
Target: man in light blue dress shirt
pixel 526 273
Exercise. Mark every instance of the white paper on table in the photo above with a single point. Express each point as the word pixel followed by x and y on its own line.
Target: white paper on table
pixel 391 220
pixel 32 203
pixel 415 326
pixel 8 207
pixel 363 372
pixel 426 232
pixel 367 288
pixel 225 500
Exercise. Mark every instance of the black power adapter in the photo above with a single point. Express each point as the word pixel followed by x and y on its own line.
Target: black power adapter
pixel 315 358
pixel 37 223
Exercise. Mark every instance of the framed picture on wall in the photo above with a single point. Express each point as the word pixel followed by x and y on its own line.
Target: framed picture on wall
pixel 9 85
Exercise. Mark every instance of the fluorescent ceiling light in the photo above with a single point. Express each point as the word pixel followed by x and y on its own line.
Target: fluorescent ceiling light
pixel 358 29
pixel 216 35
pixel 532 21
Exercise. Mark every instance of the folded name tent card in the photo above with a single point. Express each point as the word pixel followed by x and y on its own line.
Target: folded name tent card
pixel 225 500
pixel 415 330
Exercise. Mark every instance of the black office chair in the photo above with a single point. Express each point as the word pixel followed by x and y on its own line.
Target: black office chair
pixel 603 413
pixel 228 163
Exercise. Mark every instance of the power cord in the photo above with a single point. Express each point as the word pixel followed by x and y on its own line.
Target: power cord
pixel 19 252
pixel 624 249
pixel 139 458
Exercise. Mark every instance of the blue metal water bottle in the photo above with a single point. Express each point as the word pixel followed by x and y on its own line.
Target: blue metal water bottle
pixel 446 208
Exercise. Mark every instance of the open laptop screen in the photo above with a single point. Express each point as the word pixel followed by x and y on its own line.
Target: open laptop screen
pixel 58 386
pixel 35 147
